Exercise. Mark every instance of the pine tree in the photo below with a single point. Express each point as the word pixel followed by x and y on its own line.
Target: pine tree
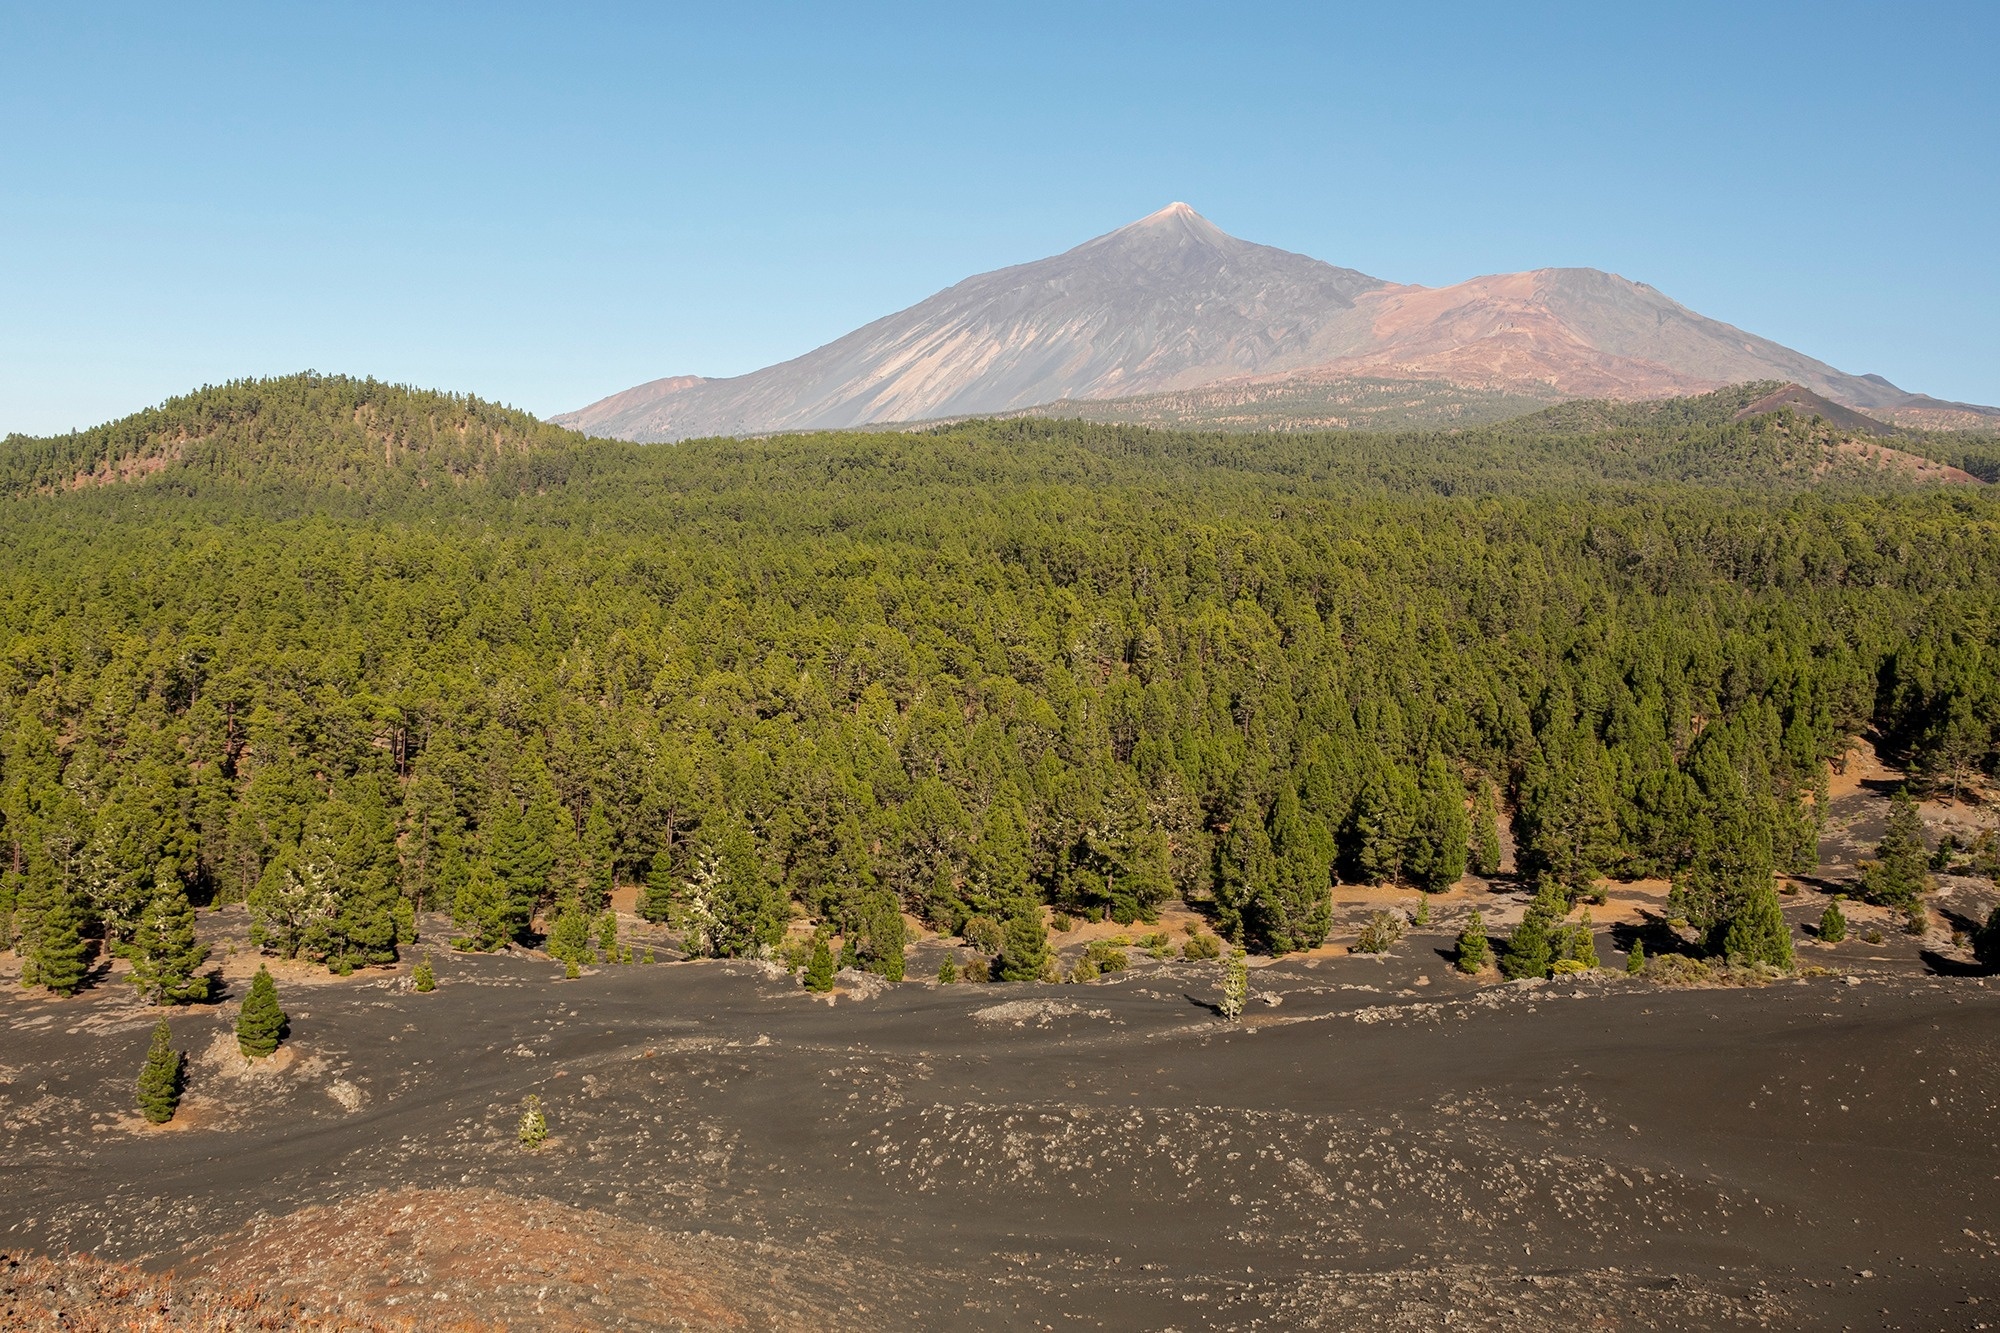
pixel 1435 859
pixel 599 853
pixel 62 954
pixel 663 889
pixel 1244 868
pixel 1578 944
pixel 1832 922
pixel 1235 985
pixel 1531 948
pixel 260 1024
pixel 569 938
pixel 1635 961
pixel 1757 932
pixel 1293 909
pixel 166 956
pixel 1024 955
pixel 1485 849
pixel 159 1086
pixel 422 978
pixel 947 973
pixel 607 935
pixel 882 936
pixel 533 1129
pixel 1900 871
pixel 819 968
pixel 1473 951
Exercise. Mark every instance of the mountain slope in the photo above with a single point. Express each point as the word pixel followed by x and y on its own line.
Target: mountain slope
pixel 1171 303
pixel 1167 302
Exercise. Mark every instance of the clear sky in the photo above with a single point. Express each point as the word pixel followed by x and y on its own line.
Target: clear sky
pixel 546 203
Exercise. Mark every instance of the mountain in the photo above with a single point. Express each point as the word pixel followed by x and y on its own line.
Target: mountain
pixel 1171 303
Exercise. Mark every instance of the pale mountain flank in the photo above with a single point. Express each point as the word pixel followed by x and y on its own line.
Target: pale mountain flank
pixel 1172 304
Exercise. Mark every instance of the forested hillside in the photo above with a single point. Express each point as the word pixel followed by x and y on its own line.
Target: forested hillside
pixel 349 651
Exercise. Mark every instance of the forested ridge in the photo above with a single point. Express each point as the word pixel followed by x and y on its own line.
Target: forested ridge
pixel 349 651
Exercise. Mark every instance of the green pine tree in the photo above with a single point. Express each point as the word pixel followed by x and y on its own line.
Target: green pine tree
pixel 947 973
pixel 607 935
pixel 422 978
pixel 663 889
pixel 260 1024
pixel 166 956
pixel 1024 955
pixel 1635 961
pixel 1473 951
pixel 569 938
pixel 1757 933
pixel 160 1077
pixel 819 968
pixel 1900 872
pixel 1435 858
pixel 1485 849
pixel 1293 908
pixel 1579 943
pixel 61 955
pixel 1531 948
pixel 1832 922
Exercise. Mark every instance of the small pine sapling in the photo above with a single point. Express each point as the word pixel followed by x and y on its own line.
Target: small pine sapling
pixel 422 977
pixel 1235 985
pixel 1635 961
pixel 1832 923
pixel 947 973
pixel 1423 912
pixel 160 1077
pixel 819 968
pixel 1473 951
pixel 607 936
pixel 533 1130
pixel 260 1024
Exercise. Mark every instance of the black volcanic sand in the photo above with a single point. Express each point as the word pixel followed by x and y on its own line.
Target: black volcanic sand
pixel 1362 1151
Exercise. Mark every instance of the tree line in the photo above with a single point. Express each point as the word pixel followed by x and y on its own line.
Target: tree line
pixel 348 653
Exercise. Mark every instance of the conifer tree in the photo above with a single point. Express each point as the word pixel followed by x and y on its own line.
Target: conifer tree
pixel 423 978
pixel 1235 985
pixel 62 954
pixel 599 852
pixel 947 973
pixel 1531 948
pixel 1435 859
pixel 607 935
pixel 1024 954
pixel 1900 871
pixel 1245 868
pixel 1635 961
pixel 1293 909
pixel 1832 922
pixel 1473 951
pixel 1757 932
pixel 159 1088
pixel 166 956
pixel 260 1024
pixel 1485 849
pixel 1579 943
pixel 663 889
pixel 819 968
pixel 533 1130
pixel 569 938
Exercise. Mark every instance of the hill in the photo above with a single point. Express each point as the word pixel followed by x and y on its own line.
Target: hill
pixel 1182 324
pixel 307 429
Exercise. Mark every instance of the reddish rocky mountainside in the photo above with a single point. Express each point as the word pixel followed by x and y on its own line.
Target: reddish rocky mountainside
pixel 1171 304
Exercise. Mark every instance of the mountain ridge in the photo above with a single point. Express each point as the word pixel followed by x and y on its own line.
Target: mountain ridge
pixel 1172 303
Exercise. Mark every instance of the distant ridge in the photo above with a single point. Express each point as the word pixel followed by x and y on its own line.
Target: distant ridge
pixel 1172 304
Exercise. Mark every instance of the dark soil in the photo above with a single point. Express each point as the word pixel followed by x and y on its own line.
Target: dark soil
pixel 1378 1144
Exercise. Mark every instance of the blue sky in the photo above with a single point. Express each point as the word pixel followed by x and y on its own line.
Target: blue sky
pixel 544 204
